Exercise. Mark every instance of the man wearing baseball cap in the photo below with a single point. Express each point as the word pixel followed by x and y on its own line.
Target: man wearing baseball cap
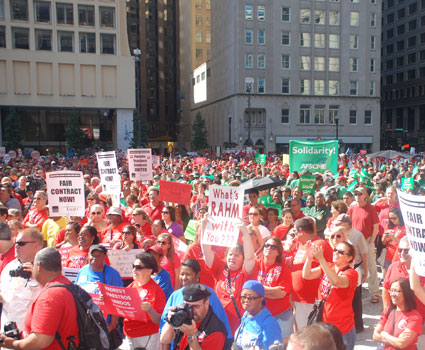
pixel 112 233
pixel 206 330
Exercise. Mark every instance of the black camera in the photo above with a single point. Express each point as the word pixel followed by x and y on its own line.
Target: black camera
pixel 183 314
pixel 10 330
pixel 20 272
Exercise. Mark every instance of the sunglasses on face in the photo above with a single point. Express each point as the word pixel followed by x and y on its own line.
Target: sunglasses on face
pixel 336 236
pixel 22 243
pixel 340 252
pixel 139 267
pixel 254 214
pixel 165 212
pixel 161 242
pixel 249 298
pixel 96 213
pixel 270 246
pixel 403 250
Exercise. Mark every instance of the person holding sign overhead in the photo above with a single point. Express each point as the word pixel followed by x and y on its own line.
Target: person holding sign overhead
pixel 230 276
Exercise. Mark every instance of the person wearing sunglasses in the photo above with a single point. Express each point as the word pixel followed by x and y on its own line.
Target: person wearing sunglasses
pixel 169 216
pixel 258 327
pixel 145 334
pixel 97 217
pixel 400 322
pixel 171 260
pixel 38 214
pixel 275 276
pixel 337 285
pixel 392 236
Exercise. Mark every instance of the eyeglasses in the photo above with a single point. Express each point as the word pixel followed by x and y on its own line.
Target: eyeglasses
pixel 270 246
pixel 340 252
pixel 254 214
pixel 252 234
pixel 358 194
pixel 393 218
pixel 165 212
pixel 96 213
pixel 249 298
pixel 395 291
pixel 403 250
pixel 136 214
pixel 161 242
pixel 22 243
pixel 139 267
pixel 38 198
pixel 126 233
pixel 335 236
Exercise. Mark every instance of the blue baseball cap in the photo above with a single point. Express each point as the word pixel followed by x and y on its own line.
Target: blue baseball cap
pixel 255 286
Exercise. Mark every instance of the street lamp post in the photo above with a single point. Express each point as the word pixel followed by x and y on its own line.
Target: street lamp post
pixel 249 89
pixel 336 124
pixel 230 128
pixel 137 53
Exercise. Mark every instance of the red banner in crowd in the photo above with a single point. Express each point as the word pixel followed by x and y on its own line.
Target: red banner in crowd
pixel 124 302
pixel 200 161
pixel 175 192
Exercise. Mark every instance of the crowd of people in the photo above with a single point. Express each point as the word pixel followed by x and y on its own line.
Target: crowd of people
pixel 296 245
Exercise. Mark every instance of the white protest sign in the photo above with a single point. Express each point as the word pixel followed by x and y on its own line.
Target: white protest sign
pixel 108 170
pixel 156 161
pixel 122 260
pixel 70 273
pixel 65 191
pixel 413 210
pixel 225 210
pixel 2 151
pixel 140 164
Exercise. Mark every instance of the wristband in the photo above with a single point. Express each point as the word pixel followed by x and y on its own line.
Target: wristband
pixel 191 338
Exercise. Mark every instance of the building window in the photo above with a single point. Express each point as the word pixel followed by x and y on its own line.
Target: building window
pixel 334 18
pixel 401 13
pixel 354 64
pixel 43 40
pixel 286 14
pixel 411 58
pixel 249 85
pixel 85 15
pixel 354 41
pixel 319 87
pixel 198 20
pixel 2 36
pixel 1 9
pixel 42 11
pixel 248 60
pixel 368 117
pixel 248 36
pixel 285 39
pixel 355 1
pixel 286 62
pixel 305 63
pixel 400 45
pixel 261 61
pixel 400 61
pixel 208 37
pixel 305 16
pixel 64 13
pixel 373 20
pixel 284 116
pixel 107 16
pixel 319 17
pixel 208 4
pixel 354 18
pixel 390 18
pixel 305 87
pixel 198 37
pixel 305 40
pixel 372 65
pixel 198 4
pixel 87 42
pixel 333 87
pixel 334 64
pixel 248 12
pixel 198 54
pixel 107 44
pixel 390 33
pixel 319 114
pixel 390 49
pixel 372 88
pixel 261 13
pixel 319 63
pixel 261 37
pixel 207 20
pixel 261 85
pixel 353 87
pixel 20 38
pixel 305 114
pixel 412 25
pixel 353 116
pixel 285 86
pixel 411 42
pixel 373 42
pixel 334 41
pixel 65 41
pixel 400 29
pixel 333 113
pixel 411 74
pixel 19 10
pixel 319 40
pixel 413 8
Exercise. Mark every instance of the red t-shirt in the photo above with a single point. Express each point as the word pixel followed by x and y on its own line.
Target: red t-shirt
pixel 107 236
pixel 171 267
pixel 275 275
pixel 60 237
pixel 214 341
pixel 194 251
pixel 402 320
pixel 305 291
pixel 53 311
pixel 399 233
pixel 363 218
pixel 7 257
pixel 338 308
pixel 152 293
pixel 237 280
pixel 77 257
pixel 261 207
pixel 154 213
pixel 36 217
pixel 280 231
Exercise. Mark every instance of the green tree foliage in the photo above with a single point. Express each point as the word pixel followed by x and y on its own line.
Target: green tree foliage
pixel 199 134
pixel 75 137
pixel 13 133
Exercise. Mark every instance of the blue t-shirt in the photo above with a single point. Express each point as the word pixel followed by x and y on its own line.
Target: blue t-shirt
pixel 164 281
pixel 177 298
pixel 87 279
pixel 261 330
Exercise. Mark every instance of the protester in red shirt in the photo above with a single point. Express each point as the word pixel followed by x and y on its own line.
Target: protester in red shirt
pixel 7 247
pixel 142 222
pixel 38 214
pixel 144 334
pixel 113 232
pixel 392 235
pixel 288 222
pixel 239 267
pixel 78 255
pixel 171 261
pixel 254 196
pixel 155 206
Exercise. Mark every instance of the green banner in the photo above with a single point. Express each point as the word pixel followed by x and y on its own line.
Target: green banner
pixel 352 186
pixel 315 156
pixel 307 183
pixel 365 177
pixel 407 183
pixel 266 200
pixel 353 173
pixel 260 158
pixel 190 232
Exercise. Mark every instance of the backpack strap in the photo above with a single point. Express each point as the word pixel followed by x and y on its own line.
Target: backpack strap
pixel 232 296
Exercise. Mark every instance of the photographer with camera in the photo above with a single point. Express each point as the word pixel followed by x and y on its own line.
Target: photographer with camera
pixel 18 288
pixel 194 325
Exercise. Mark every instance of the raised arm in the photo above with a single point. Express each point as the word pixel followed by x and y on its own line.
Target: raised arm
pixel 206 248
pixel 248 248
pixel 415 284
pixel 334 279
